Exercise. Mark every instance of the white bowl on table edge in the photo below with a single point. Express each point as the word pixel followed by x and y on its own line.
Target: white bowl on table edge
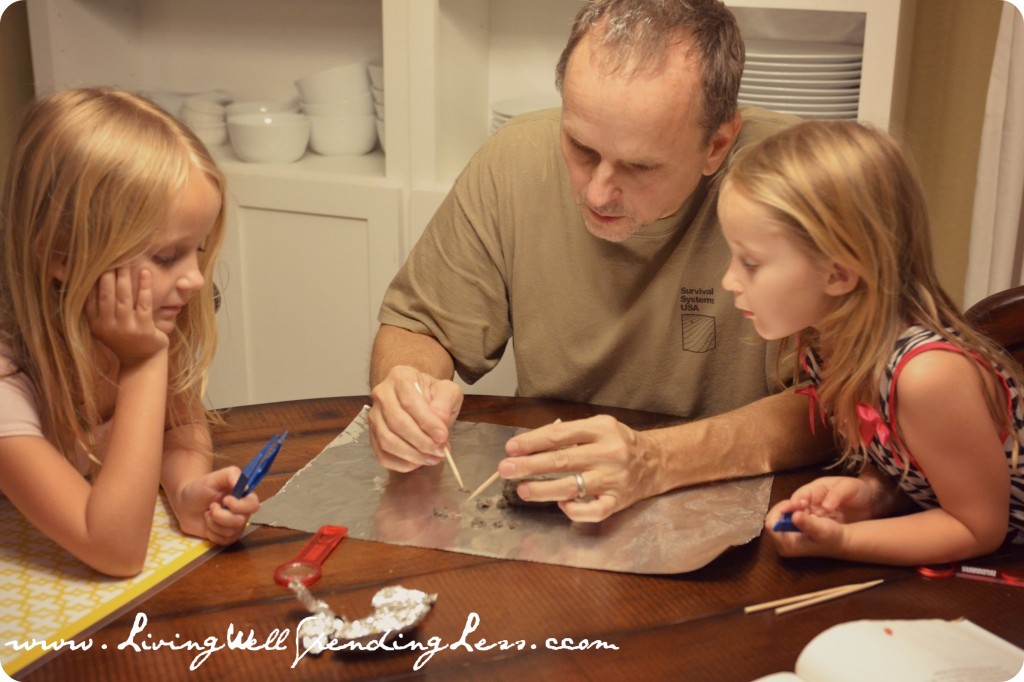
pixel 275 137
pixel 357 105
pixel 339 135
pixel 338 82
pixel 261 106
pixel 376 70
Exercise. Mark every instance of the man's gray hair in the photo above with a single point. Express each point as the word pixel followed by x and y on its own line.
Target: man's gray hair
pixel 634 36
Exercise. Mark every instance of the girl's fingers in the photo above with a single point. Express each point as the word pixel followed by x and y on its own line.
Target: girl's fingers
pixel 144 302
pixel 125 303
pixel 104 293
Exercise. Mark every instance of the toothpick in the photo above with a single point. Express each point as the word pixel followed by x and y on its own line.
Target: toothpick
pixel 455 469
pixel 787 604
pixel 485 484
pixel 447 451
pixel 492 479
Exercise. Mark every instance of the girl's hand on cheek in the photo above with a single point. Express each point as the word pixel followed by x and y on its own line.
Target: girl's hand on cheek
pixel 122 320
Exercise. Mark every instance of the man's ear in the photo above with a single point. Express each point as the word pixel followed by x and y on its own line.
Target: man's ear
pixel 721 143
pixel 841 279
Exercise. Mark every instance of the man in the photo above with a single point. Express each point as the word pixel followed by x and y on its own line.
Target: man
pixel 591 234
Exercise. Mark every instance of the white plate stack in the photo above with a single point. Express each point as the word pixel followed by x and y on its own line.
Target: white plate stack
pixel 503 110
pixel 809 79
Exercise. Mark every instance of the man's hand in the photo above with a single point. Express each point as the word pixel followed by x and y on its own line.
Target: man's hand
pixel 619 466
pixel 410 418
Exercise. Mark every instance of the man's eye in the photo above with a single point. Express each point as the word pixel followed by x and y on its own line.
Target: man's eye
pixel 582 150
pixel 640 168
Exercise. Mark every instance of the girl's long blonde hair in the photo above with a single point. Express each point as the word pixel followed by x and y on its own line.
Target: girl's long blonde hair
pixel 848 193
pixel 93 174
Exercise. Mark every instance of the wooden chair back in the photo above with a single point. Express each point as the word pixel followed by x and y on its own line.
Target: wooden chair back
pixel 1001 317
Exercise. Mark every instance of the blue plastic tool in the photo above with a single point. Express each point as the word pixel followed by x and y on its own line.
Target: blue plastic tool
pixel 258 467
pixel 785 524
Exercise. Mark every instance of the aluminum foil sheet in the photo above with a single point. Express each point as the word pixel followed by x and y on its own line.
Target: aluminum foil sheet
pixel 676 532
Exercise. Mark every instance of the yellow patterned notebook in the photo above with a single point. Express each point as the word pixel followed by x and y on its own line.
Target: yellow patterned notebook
pixel 47 595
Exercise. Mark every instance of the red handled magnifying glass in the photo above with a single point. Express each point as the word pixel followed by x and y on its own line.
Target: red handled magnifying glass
pixel 305 567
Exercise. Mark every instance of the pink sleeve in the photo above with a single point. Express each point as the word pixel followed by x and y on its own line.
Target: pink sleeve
pixel 18 413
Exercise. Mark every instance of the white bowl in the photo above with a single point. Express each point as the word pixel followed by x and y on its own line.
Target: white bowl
pixel 277 137
pixel 376 71
pixel 336 135
pixel 261 107
pixel 202 105
pixel 221 97
pixel 173 102
pixel 168 100
pixel 212 135
pixel 358 105
pixel 378 95
pixel 339 82
pixel 193 118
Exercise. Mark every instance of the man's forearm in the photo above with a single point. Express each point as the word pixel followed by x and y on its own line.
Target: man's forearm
pixel 396 346
pixel 771 434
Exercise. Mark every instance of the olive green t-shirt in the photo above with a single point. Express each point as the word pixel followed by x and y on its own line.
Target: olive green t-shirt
pixel 642 323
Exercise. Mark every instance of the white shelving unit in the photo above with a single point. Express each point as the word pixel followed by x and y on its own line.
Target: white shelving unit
pixel 314 244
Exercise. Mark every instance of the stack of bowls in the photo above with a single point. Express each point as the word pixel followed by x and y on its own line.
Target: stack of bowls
pixel 376 71
pixel 339 105
pixel 205 114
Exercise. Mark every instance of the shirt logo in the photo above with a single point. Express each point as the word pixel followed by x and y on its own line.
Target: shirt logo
pixel 698 330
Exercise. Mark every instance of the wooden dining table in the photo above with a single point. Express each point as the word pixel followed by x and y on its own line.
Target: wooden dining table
pixel 225 618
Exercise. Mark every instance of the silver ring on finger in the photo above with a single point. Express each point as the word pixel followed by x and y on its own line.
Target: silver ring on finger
pixel 581 487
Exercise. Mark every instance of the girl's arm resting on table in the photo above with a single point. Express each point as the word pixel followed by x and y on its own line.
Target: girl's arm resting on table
pixel 106 524
pixel 945 424
pixel 198 495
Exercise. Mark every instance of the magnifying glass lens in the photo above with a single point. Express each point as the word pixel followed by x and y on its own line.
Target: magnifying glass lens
pixel 298 571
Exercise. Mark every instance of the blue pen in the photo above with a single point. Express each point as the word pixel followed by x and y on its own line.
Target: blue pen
pixel 258 467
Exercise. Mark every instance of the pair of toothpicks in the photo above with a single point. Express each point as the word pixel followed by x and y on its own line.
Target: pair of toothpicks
pixel 798 602
pixel 447 452
pixel 489 481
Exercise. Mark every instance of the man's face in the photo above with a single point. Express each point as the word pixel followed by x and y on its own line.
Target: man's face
pixel 632 142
